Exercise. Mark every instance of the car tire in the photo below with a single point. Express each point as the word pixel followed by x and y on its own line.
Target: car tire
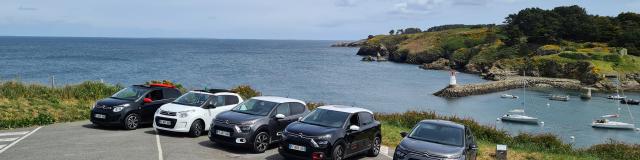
pixel 197 128
pixel 261 142
pixel 131 121
pixel 375 147
pixel 338 152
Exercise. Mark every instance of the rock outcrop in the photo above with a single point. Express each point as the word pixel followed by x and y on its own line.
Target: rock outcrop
pixel 440 64
pixel 349 44
pixel 507 84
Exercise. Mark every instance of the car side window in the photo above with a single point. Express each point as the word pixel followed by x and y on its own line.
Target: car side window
pixel 354 120
pixel 365 118
pixel 229 100
pixel 170 93
pixel 296 108
pixel 469 136
pixel 155 95
pixel 219 101
pixel 284 109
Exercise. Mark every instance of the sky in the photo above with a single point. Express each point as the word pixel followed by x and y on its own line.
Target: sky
pixel 263 19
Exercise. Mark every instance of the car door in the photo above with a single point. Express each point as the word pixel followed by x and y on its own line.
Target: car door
pixel 280 124
pixel 368 129
pixel 354 138
pixel 469 142
pixel 148 109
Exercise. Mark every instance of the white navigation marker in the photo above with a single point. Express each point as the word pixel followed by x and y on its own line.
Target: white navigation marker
pixel 13 133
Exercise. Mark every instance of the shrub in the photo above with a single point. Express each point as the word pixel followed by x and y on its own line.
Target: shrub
pixel 245 91
pixel 574 55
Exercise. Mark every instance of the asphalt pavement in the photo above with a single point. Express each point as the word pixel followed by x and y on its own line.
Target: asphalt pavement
pixel 83 141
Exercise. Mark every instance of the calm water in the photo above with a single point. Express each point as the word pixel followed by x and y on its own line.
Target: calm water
pixel 307 70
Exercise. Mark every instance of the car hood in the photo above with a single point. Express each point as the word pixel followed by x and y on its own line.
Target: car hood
pixel 112 102
pixel 172 107
pixel 310 129
pixel 236 117
pixel 430 148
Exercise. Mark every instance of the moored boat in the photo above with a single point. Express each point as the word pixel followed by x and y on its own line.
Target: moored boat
pixel 559 98
pixel 508 96
pixel 608 124
pixel 630 101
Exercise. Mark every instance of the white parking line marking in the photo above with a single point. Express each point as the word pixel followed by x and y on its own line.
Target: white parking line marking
pixel 21 138
pixel 159 147
pixel 8 139
pixel 385 151
pixel 13 133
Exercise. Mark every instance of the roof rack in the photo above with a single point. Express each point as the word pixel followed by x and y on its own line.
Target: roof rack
pixel 216 90
pixel 156 85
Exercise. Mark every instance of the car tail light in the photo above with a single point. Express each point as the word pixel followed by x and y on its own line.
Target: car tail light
pixel 317 156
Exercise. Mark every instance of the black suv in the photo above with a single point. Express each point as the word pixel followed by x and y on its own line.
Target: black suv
pixel 133 105
pixel 437 139
pixel 332 132
pixel 257 122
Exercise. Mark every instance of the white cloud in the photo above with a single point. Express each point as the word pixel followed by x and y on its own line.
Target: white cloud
pixel 417 6
pixel 346 3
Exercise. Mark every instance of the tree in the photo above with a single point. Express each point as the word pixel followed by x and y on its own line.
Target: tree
pixel 411 30
pixel 575 23
pixel 391 32
pixel 400 31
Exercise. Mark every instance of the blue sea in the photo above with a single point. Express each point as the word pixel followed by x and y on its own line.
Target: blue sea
pixel 306 70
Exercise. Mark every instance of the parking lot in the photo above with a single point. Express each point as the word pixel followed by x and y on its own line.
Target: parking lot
pixel 82 141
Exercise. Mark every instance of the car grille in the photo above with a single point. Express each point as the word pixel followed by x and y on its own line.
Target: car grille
pixel 298 135
pixel 222 121
pixel 104 107
pixel 173 122
pixel 425 155
pixel 167 113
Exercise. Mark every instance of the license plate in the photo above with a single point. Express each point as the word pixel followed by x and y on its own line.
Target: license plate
pixel 101 116
pixel 223 133
pixel 297 147
pixel 165 122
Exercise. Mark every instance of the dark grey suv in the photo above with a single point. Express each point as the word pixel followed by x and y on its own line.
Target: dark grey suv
pixel 257 122
pixel 437 139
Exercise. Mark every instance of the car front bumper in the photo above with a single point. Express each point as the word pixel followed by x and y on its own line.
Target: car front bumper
pixel 178 124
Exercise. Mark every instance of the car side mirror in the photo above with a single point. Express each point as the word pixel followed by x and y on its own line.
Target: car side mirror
pixel 147 100
pixel 404 134
pixel 299 118
pixel 473 147
pixel 279 116
pixel 354 128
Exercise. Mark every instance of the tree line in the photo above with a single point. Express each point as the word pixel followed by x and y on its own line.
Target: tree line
pixel 539 26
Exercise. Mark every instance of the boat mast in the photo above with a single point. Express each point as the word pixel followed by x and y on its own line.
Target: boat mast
pixel 524 90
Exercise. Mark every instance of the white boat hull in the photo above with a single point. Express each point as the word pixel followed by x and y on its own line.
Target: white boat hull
pixel 613 125
pixel 519 119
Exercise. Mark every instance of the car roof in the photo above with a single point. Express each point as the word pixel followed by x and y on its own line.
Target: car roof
pixel 278 99
pixel 216 93
pixel 347 109
pixel 443 122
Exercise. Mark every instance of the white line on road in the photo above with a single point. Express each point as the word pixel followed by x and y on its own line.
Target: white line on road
pixel 159 147
pixel 385 151
pixel 13 133
pixel 2 146
pixel 21 138
pixel 8 139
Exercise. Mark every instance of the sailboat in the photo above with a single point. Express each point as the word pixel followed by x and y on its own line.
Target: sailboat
pixel 617 96
pixel 605 123
pixel 518 115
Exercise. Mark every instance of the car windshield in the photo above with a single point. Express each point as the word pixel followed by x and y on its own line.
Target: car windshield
pixel 255 107
pixel 441 134
pixel 327 118
pixel 192 99
pixel 130 93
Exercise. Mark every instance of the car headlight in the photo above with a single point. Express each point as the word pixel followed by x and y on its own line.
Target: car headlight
pixel 400 153
pixel 183 114
pixel 456 157
pixel 119 108
pixel 325 137
pixel 243 128
pixel 94 105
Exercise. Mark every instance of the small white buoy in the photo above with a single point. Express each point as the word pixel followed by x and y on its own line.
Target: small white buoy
pixel 548 104
pixel 573 139
pixel 497 119
pixel 541 122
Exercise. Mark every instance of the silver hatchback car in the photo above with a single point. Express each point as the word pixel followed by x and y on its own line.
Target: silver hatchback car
pixel 437 139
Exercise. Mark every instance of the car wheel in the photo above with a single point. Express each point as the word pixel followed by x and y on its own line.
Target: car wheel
pixel 338 152
pixel 196 128
pixel 131 121
pixel 261 142
pixel 375 147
